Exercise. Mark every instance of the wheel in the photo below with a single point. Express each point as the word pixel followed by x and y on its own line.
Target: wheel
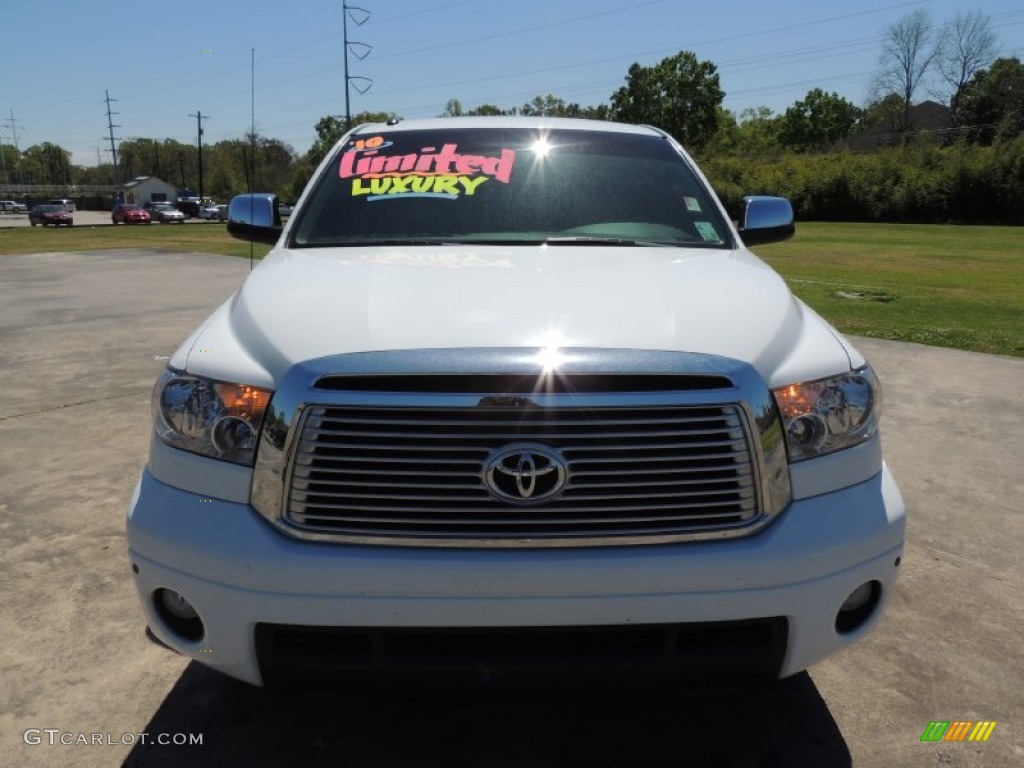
pixel 32 223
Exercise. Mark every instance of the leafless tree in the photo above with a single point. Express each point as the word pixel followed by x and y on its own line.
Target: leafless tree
pixel 966 46
pixel 908 52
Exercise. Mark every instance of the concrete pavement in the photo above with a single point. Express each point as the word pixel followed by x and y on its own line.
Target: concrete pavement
pixel 82 338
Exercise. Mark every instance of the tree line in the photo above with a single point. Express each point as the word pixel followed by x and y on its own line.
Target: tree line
pixel 969 166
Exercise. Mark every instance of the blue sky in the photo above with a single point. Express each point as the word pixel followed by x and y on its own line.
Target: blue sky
pixel 163 61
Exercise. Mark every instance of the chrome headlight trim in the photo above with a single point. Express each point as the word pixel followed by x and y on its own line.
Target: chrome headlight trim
pixel 827 415
pixel 217 419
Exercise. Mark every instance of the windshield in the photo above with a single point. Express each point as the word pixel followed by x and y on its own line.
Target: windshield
pixel 509 186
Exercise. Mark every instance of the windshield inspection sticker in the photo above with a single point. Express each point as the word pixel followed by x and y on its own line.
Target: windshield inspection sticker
pixel 707 230
pixel 444 174
pixel 692 204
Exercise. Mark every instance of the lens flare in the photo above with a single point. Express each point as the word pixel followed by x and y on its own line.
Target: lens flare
pixel 540 147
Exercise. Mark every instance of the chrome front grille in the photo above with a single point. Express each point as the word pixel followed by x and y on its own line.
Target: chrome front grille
pixel 406 462
pixel 418 472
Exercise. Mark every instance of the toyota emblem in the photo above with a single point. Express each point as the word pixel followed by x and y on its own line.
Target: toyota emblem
pixel 525 473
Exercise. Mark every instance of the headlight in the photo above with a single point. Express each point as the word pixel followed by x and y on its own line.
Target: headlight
pixel 213 418
pixel 829 414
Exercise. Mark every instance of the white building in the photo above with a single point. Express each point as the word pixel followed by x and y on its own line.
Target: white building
pixel 147 189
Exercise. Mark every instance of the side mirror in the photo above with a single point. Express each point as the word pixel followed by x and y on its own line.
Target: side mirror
pixel 255 218
pixel 766 220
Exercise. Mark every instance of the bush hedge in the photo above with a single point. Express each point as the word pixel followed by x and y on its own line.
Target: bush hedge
pixel 963 183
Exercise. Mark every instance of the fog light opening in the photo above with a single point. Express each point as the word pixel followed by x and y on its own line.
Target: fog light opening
pixel 858 606
pixel 178 614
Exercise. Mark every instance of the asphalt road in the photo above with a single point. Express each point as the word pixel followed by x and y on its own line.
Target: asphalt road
pixel 83 336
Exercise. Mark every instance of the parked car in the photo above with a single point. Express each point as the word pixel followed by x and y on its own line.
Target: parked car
pixel 50 214
pixel 222 212
pixel 128 213
pixel 512 395
pixel 189 206
pixel 66 203
pixel 164 212
pixel 11 206
pixel 209 211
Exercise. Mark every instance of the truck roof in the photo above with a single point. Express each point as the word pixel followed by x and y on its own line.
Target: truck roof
pixel 504 121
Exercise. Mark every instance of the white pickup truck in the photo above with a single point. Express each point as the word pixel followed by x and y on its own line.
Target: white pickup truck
pixel 511 400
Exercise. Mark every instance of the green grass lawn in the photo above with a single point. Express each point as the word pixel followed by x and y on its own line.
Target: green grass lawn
pixel 948 286
pixel 207 238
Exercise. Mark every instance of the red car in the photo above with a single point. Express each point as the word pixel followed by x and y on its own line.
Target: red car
pixel 129 214
pixel 50 214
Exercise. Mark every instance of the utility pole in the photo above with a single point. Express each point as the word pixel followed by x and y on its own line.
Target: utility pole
pixel 14 135
pixel 199 116
pixel 113 149
pixel 355 48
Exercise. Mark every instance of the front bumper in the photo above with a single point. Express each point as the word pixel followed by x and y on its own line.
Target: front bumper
pixel 239 572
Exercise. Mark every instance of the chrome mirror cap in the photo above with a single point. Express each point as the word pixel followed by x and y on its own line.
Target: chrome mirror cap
pixel 766 220
pixel 255 217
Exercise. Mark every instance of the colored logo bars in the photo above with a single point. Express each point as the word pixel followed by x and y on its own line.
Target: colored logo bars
pixel 958 730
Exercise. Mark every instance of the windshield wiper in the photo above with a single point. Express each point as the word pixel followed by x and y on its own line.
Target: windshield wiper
pixel 574 240
pixel 392 241
pixel 588 240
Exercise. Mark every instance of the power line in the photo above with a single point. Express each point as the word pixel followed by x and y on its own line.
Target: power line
pixel 422 11
pixel 735 66
pixel 825 51
pixel 753 61
pixel 457 43
pixel 523 30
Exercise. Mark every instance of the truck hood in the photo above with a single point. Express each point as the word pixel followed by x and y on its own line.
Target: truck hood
pixel 304 304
